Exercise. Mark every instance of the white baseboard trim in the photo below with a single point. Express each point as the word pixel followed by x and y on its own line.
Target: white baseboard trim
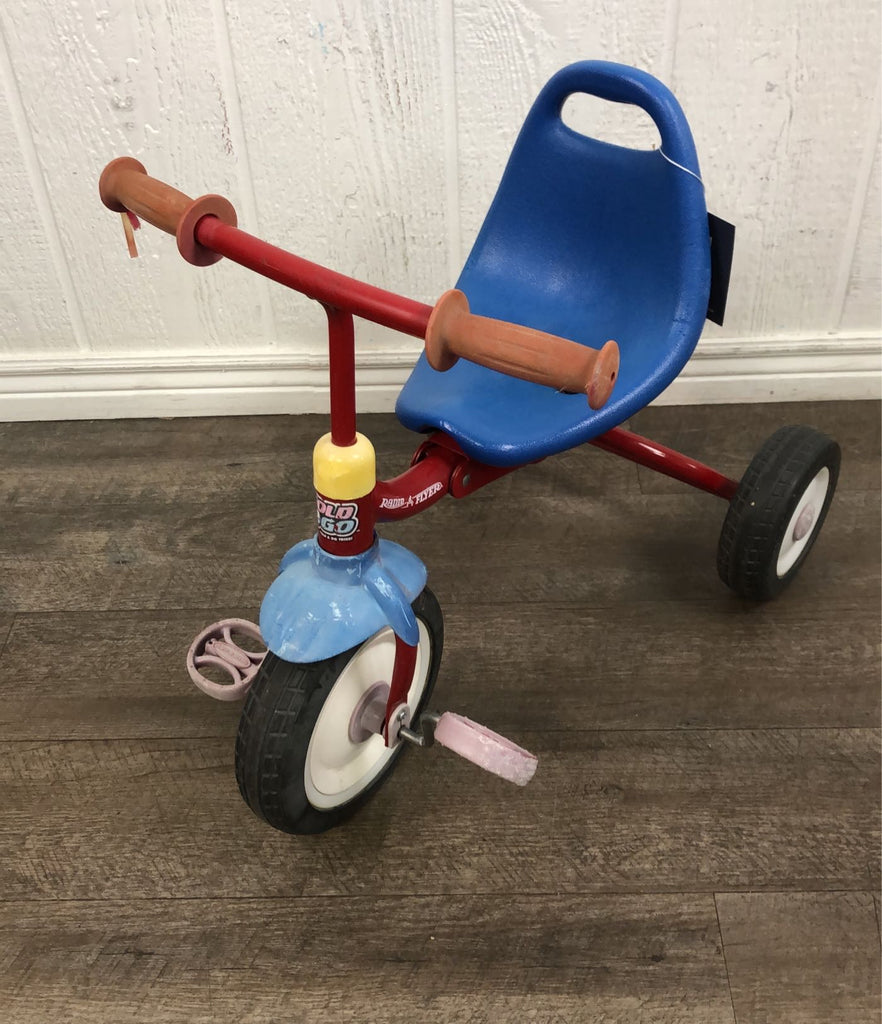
pixel 91 387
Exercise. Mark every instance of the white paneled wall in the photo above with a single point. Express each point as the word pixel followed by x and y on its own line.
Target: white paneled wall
pixel 342 112
pixel 369 135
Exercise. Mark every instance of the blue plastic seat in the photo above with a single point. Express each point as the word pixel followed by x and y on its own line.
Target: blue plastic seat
pixel 588 241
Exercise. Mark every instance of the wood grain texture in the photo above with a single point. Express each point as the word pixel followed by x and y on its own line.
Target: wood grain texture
pixel 863 308
pixel 801 958
pixel 727 437
pixel 195 515
pixel 166 463
pixel 32 305
pixel 654 548
pixel 745 65
pixel 627 811
pixel 544 960
pixel 674 666
pixel 144 81
pixel 689 744
pixel 117 675
pixel 233 461
pixel 6 622
pixel 268 458
pixel 342 108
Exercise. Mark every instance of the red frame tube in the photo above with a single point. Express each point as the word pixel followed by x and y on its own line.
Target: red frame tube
pixel 666 461
pixel 417 488
pixel 327 286
pixel 341 363
pixel 439 467
pixel 403 669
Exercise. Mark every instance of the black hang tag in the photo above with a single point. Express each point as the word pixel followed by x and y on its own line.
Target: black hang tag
pixel 722 243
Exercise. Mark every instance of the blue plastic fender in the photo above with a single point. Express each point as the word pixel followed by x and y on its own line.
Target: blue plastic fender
pixel 322 604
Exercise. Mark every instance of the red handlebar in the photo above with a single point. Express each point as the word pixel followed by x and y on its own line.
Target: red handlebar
pixel 126 185
pixel 205 229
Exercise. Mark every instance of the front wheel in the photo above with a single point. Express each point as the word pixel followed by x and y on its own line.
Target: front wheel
pixel 777 512
pixel 297 765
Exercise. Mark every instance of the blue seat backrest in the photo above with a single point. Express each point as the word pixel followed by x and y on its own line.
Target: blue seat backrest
pixel 589 241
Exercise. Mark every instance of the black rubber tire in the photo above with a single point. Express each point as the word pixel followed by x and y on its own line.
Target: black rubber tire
pixel 760 512
pixel 280 714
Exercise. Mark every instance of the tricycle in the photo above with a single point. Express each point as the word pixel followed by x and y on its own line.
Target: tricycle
pixel 583 297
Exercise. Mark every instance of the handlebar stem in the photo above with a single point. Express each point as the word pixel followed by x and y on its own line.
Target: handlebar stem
pixel 341 364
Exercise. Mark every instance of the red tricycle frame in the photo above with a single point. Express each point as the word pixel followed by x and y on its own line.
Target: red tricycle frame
pixel 439 465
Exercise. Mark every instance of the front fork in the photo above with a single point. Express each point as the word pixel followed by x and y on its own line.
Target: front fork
pixel 345 479
pixel 347 501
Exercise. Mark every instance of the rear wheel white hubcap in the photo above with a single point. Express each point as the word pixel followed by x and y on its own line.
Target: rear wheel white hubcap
pixel 804 522
pixel 337 768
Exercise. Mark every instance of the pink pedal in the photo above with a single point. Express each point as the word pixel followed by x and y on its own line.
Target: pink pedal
pixel 485 748
pixel 216 648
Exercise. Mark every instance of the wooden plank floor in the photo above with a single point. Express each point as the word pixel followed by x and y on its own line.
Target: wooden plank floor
pixel 700 843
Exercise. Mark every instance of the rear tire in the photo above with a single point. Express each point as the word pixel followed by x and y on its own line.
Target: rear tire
pixel 296 766
pixel 777 512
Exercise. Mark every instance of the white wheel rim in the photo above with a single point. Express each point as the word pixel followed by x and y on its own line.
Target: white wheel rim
pixel 337 769
pixel 804 522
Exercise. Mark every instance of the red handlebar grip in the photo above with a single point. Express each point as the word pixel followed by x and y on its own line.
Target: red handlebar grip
pixel 125 185
pixel 519 351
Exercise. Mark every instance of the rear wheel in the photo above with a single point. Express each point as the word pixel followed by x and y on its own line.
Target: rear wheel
pixel 777 512
pixel 297 763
